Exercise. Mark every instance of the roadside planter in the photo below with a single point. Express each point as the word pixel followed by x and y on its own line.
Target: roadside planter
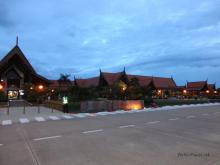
pixel 111 105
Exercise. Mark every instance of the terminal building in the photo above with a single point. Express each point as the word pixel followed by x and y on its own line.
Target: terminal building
pixel 16 71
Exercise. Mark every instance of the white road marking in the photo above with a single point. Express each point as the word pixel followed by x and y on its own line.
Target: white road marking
pixel 24 120
pixel 93 131
pixel 92 114
pixel 153 122
pixel 174 119
pixel 216 112
pixel 67 117
pixel 190 117
pixel 102 113
pixel 39 119
pixel 1 145
pixel 79 115
pixel 45 138
pixel 205 114
pixel 6 122
pixel 54 118
pixel 126 126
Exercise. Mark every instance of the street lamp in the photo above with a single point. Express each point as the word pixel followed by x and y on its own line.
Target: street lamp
pixel 40 87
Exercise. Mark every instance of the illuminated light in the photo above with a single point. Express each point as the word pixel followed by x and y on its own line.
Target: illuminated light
pixel 215 91
pixel 2 80
pixel 159 91
pixel 184 91
pixel 52 90
pixel 40 87
pixel 207 91
pixel 31 88
pixel 134 106
pixel 1 87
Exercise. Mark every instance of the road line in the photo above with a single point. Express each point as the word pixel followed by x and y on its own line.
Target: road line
pixel 1 145
pixel 216 112
pixel 6 122
pixel 126 126
pixel 24 120
pixel 93 131
pixel 205 114
pixel 174 119
pixel 190 117
pixel 54 118
pixel 39 119
pixel 45 138
pixel 153 122
pixel 67 116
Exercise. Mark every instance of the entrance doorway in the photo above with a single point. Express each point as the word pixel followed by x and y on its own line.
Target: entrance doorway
pixel 13 94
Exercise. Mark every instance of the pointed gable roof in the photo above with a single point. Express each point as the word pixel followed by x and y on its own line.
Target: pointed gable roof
pixel 196 86
pixel 112 78
pixel 87 83
pixel 143 80
pixel 16 51
pixel 164 83
pixel 15 55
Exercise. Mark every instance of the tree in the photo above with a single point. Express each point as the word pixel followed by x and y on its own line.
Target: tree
pixel 64 84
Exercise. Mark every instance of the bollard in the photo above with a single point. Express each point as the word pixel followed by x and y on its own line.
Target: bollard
pixel 52 108
pixel 24 109
pixel 38 109
pixel 8 110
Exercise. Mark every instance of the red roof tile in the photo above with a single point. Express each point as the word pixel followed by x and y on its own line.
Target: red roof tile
pixel 143 80
pixel 199 85
pixel 164 83
pixel 111 78
pixel 86 83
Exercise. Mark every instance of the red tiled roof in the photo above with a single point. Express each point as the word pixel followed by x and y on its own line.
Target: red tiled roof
pixel 143 80
pixel 211 87
pixel 164 83
pixel 86 83
pixel 111 78
pixel 199 85
pixel 54 84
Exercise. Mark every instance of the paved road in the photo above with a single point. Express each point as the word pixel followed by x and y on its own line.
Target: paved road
pixel 176 137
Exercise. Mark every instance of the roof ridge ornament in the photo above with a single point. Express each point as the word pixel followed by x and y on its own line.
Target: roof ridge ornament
pixel 17 41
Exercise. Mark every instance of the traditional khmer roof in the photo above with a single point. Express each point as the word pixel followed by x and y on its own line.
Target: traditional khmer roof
pixel 87 83
pixel 111 78
pixel 211 87
pixel 143 80
pixel 16 57
pixel 164 83
pixel 196 86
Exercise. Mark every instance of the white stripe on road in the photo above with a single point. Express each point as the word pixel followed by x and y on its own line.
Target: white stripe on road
pixel 153 122
pixel 79 115
pixel 93 131
pixel 54 118
pixel 126 126
pixel 205 114
pixel 39 119
pixel 1 145
pixel 67 116
pixel 45 138
pixel 190 117
pixel 92 114
pixel 24 120
pixel 6 122
pixel 174 119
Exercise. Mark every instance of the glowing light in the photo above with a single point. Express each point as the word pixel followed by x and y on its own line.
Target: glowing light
pixel 207 91
pixel 215 91
pixel 31 88
pixel 52 90
pixel 184 91
pixel 1 87
pixel 134 106
pixel 159 92
pixel 40 87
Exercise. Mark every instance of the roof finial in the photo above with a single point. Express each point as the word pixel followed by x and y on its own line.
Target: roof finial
pixel 17 41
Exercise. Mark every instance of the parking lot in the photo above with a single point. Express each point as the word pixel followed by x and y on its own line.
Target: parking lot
pixel 185 136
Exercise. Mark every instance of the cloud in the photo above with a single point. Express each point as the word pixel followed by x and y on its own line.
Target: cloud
pixel 155 37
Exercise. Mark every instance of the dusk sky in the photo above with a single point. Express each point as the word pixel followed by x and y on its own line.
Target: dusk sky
pixel 179 38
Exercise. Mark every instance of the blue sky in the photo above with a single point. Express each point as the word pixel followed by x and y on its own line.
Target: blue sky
pixel 150 37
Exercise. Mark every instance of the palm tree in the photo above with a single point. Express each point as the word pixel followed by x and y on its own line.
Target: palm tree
pixel 64 81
